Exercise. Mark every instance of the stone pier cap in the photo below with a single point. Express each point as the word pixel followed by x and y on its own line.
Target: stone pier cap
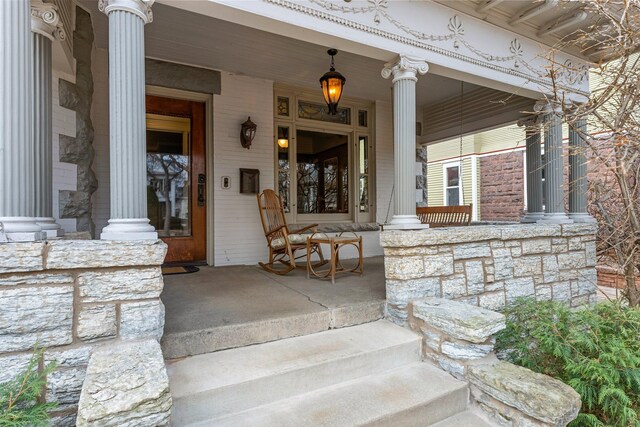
pixel 479 233
pixel 459 320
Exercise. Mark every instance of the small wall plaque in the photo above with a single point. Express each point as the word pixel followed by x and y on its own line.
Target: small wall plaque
pixel 249 181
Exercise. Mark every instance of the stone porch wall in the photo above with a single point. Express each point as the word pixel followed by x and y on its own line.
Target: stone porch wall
pixel 71 297
pixel 490 265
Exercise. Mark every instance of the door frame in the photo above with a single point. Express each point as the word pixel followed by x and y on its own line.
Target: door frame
pixel 207 99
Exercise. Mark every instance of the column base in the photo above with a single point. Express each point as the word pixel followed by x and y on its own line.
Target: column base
pixel 555 218
pixel 21 229
pixel 532 217
pixel 50 227
pixel 582 217
pixel 405 222
pixel 129 229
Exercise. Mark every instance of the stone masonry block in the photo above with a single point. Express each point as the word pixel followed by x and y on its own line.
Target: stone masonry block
pixel 465 351
pixel 579 229
pixel 64 386
pixel 572 260
pixel 35 314
pixel 18 257
pixel 142 320
pixel 126 284
pixel 550 268
pixel 562 291
pixel 405 267
pixel 492 301
pixel 403 291
pixel 503 268
pixel 519 288
pixel 471 250
pixel 95 322
pixel 69 357
pixel 438 265
pixel 536 246
pixel 527 266
pixel 126 385
pixel 36 279
pixel 435 236
pixel 454 286
pixel 458 320
pixel 85 254
pixel 529 231
pixel 475 277
pixel 13 365
pixel 536 395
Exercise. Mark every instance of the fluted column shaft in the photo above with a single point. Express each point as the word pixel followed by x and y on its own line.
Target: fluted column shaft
pixel 127 125
pixel 17 148
pixel 404 72
pixel 534 174
pixel 578 184
pixel 554 170
pixel 45 27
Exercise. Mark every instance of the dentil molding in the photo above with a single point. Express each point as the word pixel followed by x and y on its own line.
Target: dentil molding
pixel 405 67
pixel 45 20
pixel 141 8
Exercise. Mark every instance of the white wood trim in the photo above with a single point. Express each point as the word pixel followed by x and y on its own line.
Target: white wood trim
pixel 208 101
pixel 474 186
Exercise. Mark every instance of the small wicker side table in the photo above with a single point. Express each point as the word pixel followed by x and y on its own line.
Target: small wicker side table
pixel 335 243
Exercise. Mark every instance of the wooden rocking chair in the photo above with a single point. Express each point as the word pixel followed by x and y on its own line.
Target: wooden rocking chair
pixel 282 242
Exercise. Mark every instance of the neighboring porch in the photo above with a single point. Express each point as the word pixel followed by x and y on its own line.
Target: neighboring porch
pixel 227 307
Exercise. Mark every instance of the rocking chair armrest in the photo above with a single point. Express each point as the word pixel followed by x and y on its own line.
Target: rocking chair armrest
pixel 277 229
pixel 311 227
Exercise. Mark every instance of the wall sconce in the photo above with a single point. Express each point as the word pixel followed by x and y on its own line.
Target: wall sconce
pixel 332 83
pixel 283 137
pixel 247 133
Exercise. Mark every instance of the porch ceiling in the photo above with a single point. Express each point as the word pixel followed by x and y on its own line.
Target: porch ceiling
pixel 181 36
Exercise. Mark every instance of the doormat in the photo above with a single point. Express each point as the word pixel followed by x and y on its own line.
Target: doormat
pixel 179 269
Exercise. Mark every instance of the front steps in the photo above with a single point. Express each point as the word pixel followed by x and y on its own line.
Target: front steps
pixel 369 374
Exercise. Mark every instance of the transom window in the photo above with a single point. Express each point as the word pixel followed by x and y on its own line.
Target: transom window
pixel 324 171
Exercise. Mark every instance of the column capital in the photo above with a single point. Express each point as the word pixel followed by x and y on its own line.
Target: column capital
pixel 45 20
pixel 141 8
pixel 547 106
pixel 529 122
pixel 405 67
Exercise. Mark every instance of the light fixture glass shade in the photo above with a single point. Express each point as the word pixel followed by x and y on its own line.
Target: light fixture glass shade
pixel 332 83
pixel 283 137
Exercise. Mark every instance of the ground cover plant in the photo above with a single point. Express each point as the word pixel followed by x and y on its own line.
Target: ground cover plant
pixel 595 350
pixel 21 399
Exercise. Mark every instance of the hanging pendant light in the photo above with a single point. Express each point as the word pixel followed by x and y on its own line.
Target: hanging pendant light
pixel 332 83
pixel 283 137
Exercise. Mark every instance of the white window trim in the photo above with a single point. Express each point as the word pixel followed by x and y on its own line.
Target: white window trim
pixel 446 166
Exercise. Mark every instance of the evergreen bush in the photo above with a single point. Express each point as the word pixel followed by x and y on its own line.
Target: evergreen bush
pixel 595 350
pixel 21 399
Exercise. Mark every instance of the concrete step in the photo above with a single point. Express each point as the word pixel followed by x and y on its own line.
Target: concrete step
pixel 217 384
pixel 176 344
pixel 467 418
pixel 418 394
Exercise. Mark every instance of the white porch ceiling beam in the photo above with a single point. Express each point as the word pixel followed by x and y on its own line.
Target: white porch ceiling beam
pixel 565 21
pixel 485 5
pixel 533 11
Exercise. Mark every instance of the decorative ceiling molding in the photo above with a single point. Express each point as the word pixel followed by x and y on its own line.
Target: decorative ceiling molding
pixel 521 68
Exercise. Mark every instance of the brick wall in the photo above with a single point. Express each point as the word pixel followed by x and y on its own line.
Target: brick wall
pixel 70 297
pixel 502 187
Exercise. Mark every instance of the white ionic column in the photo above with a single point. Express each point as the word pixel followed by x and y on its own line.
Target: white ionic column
pixel 46 27
pixel 578 184
pixel 127 127
pixel 17 147
pixel 404 71
pixel 554 212
pixel 533 167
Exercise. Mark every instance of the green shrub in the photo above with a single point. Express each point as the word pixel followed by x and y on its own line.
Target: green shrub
pixel 595 350
pixel 21 402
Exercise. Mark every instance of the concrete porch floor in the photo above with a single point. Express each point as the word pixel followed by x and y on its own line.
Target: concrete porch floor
pixel 226 307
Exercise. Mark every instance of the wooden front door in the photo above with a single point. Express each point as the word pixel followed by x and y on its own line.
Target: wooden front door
pixel 176 192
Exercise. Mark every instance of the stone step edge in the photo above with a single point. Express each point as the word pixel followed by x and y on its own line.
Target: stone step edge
pixel 348 383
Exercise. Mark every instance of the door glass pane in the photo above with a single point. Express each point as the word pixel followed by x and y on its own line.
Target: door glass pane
pixel 284 173
pixel 322 172
pixel 168 175
pixel 363 149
